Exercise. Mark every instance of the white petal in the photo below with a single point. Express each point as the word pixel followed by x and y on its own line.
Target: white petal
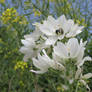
pixel 75 30
pixel 67 26
pixel 33 36
pixel 37 63
pixel 85 84
pixel 61 37
pixel 73 47
pixel 87 76
pixel 56 58
pixel 48 26
pixel 85 59
pixel 61 20
pixel 82 44
pixel 81 52
pixel 71 22
pixel 47 30
pixel 43 62
pixel 24 42
pixel 23 49
pixel 39 72
pixel 59 66
pixel 78 73
pixel 27 36
pixel 40 63
pixel 51 41
pixel 80 56
pixel 60 50
pixel 51 20
pixel 28 42
pixel 79 30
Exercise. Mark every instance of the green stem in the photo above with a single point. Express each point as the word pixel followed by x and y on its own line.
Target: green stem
pixel 77 87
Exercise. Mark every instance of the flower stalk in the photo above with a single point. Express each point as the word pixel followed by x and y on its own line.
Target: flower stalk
pixel 58 48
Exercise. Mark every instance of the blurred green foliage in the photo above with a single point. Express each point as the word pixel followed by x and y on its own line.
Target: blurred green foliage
pixel 16 18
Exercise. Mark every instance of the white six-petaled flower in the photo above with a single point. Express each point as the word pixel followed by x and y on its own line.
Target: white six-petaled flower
pixel 72 49
pixel 31 47
pixel 58 28
pixel 82 77
pixel 47 38
pixel 44 62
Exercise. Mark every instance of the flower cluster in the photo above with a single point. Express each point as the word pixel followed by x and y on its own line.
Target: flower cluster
pixel 20 65
pixel 53 45
pixel 10 16
pixel 2 1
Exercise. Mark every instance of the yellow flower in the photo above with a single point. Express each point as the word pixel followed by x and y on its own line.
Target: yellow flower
pixel 21 65
pixel 23 20
pixel 14 11
pixel 2 1
pixel 8 15
pixel 82 19
pixel 11 16
pixel 16 19
pixel 8 10
pixel 68 5
pixel 81 22
pixel 59 88
pixel 36 12
pixel 21 83
pixel 78 21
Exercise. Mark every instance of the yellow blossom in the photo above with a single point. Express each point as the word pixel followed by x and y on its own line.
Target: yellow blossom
pixel 11 16
pixel 21 83
pixel 36 12
pixel 2 1
pixel 23 20
pixel 78 21
pixel 68 5
pixel 8 15
pixel 21 65
pixel 81 22
pixel 16 19
pixel 59 88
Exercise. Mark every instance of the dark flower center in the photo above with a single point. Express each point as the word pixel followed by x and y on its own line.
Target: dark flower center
pixel 59 31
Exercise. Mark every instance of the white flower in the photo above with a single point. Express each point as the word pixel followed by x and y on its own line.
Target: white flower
pixel 79 75
pixel 58 28
pixel 32 45
pixel 74 29
pixel 44 62
pixel 82 78
pixel 71 49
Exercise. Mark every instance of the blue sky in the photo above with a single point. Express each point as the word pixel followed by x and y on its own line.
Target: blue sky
pixel 85 9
